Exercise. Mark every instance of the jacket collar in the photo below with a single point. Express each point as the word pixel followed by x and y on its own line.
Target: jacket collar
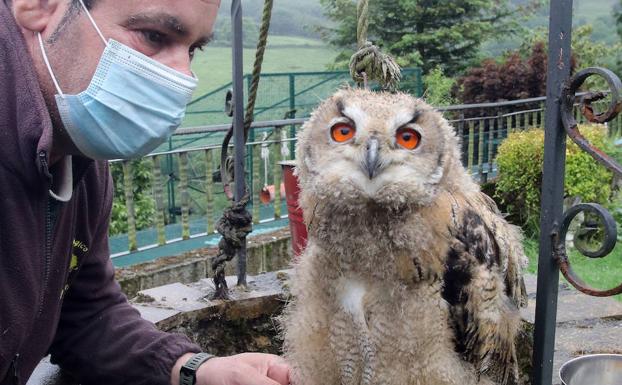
pixel 28 124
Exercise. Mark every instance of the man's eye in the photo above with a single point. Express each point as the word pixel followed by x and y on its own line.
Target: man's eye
pixel 154 37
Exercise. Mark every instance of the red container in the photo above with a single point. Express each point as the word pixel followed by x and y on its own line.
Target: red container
pixel 297 226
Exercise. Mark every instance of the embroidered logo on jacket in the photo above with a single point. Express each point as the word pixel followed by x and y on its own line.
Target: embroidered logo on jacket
pixel 78 252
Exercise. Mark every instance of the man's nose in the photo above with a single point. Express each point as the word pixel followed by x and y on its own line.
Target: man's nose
pixel 179 60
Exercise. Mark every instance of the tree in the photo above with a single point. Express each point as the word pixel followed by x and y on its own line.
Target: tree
pixel 426 33
pixel 586 51
pixel 522 73
pixel 224 35
pixel 514 78
pixel 438 88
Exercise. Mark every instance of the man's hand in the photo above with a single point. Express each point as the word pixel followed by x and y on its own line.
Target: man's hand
pixel 242 369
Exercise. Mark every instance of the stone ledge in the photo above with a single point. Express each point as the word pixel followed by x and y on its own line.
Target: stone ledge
pixel 585 325
pixel 247 322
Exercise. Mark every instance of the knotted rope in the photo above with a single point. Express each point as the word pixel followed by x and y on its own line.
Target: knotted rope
pixel 369 63
pixel 236 222
pixel 234 225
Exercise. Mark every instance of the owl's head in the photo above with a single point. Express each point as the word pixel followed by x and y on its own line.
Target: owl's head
pixel 361 147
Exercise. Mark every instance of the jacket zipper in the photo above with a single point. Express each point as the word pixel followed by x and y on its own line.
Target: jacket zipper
pixel 14 368
pixel 48 239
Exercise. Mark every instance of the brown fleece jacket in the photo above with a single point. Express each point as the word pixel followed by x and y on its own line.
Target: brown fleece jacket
pixel 73 310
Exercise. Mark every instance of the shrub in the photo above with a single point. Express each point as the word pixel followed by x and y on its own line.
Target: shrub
pixel 438 88
pixel 513 78
pixel 519 161
pixel 144 207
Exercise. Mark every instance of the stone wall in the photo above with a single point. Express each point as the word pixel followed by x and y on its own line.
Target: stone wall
pixel 266 252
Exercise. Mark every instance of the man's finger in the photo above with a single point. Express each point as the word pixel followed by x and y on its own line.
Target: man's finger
pixel 279 373
pixel 254 378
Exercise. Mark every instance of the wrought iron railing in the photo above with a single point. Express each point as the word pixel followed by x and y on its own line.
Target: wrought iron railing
pixel 184 193
pixel 597 224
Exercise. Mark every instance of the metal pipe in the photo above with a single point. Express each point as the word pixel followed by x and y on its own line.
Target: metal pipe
pixel 560 28
pixel 238 122
pixel 225 127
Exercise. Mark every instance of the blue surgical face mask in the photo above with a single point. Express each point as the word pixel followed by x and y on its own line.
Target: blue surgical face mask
pixel 132 105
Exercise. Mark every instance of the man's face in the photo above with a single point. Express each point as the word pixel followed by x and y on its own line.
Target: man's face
pixel 169 31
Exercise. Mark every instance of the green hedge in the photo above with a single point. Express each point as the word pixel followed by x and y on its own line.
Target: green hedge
pixel 519 161
pixel 144 208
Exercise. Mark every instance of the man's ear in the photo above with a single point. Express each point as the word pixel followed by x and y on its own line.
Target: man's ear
pixel 35 15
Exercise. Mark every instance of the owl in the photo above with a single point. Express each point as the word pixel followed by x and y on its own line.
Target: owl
pixel 411 275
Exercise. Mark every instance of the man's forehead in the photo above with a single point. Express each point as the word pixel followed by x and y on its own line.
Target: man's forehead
pixel 179 8
pixel 183 18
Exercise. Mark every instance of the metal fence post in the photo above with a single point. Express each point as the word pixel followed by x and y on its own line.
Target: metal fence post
pixel 250 158
pixel 560 29
pixel 128 184
pixel 170 185
pixel 292 107
pixel 238 122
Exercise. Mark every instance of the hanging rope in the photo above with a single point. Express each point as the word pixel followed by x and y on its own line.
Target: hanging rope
pixel 369 63
pixel 226 162
pixel 236 222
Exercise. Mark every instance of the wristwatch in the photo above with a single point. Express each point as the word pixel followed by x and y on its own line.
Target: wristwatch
pixel 188 372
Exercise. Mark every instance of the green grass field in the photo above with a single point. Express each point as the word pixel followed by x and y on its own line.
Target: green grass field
pixel 284 54
pixel 604 273
pixel 592 10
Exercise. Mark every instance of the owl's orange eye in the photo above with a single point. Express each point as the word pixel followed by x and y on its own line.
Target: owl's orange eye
pixel 408 138
pixel 342 132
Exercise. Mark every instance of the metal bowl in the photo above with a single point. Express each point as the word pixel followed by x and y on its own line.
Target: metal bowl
pixel 593 369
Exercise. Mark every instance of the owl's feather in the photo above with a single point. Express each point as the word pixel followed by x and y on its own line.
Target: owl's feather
pixel 484 291
pixel 411 275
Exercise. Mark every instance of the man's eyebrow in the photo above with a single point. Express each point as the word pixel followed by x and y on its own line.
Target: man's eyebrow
pixel 166 21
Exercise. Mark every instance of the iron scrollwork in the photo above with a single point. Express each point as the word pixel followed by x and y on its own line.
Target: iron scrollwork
pixel 593 213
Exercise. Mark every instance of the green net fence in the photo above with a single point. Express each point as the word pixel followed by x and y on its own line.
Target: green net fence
pixel 295 93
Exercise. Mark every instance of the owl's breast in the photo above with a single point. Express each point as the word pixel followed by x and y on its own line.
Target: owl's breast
pixel 380 330
pixel 350 298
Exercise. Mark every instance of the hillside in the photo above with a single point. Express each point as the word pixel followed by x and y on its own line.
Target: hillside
pixel 598 13
pixel 294 44
pixel 289 18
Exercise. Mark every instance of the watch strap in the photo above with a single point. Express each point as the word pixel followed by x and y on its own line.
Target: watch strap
pixel 188 372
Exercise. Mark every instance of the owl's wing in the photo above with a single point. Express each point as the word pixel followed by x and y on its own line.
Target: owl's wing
pixel 484 288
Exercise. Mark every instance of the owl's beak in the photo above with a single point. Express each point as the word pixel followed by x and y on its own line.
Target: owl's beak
pixel 371 158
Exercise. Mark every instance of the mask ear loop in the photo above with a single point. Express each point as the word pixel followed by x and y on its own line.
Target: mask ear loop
pixel 45 56
pixel 94 24
pixel 47 64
